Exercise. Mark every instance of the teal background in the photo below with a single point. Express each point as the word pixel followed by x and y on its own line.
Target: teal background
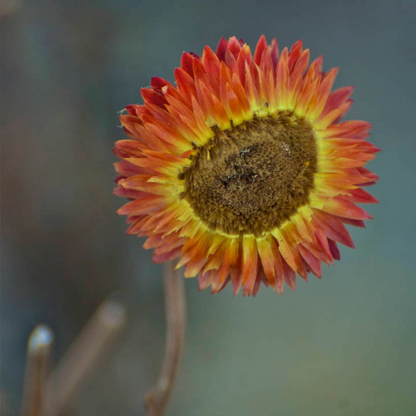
pixel 343 346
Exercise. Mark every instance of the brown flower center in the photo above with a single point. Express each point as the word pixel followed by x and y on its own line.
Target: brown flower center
pixel 250 179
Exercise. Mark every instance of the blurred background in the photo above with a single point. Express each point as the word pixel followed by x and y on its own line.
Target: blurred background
pixel 341 346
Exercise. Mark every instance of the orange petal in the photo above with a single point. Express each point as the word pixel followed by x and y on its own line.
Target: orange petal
pixel 343 208
pixel 267 259
pixel 250 264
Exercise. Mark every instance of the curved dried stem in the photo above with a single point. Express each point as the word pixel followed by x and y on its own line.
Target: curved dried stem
pixel 157 399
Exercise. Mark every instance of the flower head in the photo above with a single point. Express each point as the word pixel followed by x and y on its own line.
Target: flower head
pixel 243 169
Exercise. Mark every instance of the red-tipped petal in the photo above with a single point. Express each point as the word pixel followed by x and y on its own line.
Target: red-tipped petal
pixel 260 48
pixel 343 208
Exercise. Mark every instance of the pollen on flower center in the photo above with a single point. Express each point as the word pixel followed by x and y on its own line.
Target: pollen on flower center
pixel 253 177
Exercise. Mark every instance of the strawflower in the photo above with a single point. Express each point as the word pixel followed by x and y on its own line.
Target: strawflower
pixel 243 170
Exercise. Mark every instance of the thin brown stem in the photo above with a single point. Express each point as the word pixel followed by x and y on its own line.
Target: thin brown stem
pixel 84 355
pixel 157 399
pixel 37 369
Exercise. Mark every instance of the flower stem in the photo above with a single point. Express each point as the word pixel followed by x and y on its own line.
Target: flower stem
pixel 175 303
pixel 84 355
pixel 37 370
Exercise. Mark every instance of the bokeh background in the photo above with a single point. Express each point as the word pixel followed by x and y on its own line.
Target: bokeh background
pixel 343 346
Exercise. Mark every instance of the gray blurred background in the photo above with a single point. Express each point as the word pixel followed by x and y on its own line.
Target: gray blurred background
pixel 343 346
